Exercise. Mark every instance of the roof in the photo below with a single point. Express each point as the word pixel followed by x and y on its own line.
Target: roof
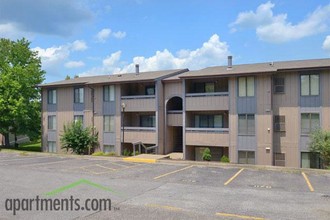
pixel 117 78
pixel 270 67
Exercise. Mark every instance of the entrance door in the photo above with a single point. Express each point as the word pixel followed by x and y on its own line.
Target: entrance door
pixel 177 139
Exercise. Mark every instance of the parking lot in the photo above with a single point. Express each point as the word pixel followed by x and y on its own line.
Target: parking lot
pixel 163 190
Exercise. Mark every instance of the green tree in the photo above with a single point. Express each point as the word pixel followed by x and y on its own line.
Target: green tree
pixel 320 143
pixel 20 73
pixel 78 139
pixel 207 154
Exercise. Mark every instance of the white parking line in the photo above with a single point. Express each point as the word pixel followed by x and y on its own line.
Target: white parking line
pixel 23 158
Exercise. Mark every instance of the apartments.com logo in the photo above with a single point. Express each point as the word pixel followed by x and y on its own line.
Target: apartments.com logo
pixel 63 204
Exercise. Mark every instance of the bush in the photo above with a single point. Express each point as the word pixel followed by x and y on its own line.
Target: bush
pixel 127 153
pixel 110 154
pixel 77 138
pixel 98 153
pixel 320 143
pixel 207 154
pixel 224 159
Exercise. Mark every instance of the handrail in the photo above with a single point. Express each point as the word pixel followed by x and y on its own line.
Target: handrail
pixel 215 130
pixel 138 97
pixel 174 112
pixel 146 149
pixel 207 94
pixel 139 128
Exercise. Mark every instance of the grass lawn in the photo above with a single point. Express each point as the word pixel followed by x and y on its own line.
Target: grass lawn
pixel 32 146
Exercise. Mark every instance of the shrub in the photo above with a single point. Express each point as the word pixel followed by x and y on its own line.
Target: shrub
pixel 320 143
pixel 98 153
pixel 77 138
pixel 137 152
pixel 224 159
pixel 111 154
pixel 207 154
pixel 127 153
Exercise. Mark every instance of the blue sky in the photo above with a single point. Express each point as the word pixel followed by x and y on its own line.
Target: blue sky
pixel 95 37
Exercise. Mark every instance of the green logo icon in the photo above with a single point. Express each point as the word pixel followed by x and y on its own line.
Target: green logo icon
pixel 77 183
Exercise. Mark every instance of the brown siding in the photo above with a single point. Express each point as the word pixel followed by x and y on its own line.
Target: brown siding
pixel 44 124
pixel 64 111
pixel 161 117
pixel 291 96
pixel 140 104
pixel 287 142
pixel 325 88
pixel 207 139
pixel 233 120
pixel 264 121
pixel 172 89
pixel 118 120
pixel 146 137
pixel 174 119
pixel 208 103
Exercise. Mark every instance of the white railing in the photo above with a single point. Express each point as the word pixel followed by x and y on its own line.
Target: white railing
pixel 207 94
pixel 208 130
pixel 141 129
pixel 138 97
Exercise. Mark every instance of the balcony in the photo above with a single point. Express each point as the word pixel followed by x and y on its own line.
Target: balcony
pixel 140 103
pixel 207 137
pixel 174 118
pixel 214 101
pixel 147 135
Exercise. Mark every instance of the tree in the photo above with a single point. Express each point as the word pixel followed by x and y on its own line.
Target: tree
pixel 20 73
pixel 320 143
pixel 77 138
pixel 67 77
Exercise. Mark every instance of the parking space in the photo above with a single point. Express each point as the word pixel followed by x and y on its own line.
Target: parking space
pixel 183 187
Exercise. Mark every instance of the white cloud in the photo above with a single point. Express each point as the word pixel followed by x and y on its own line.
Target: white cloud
pixel 103 35
pixel 211 53
pixel 326 43
pixel 119 34
pixel 74 64
pixel 42 17
pixel 276 29
pixel 79 45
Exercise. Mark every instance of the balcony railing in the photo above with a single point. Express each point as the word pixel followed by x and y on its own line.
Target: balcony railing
pixel 139 103
pixel 207 94
pixel 207 101
pixel 174 118
pixel 210 130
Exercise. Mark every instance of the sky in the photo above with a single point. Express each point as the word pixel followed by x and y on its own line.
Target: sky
pixel 97 37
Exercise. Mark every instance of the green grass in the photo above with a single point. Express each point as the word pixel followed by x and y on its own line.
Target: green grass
pixel 32 146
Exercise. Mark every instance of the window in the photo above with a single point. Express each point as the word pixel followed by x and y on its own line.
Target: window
pixel 311 160
pixel 207 87
pixel 279 159
pixel 147 121
pixel 309 85
pixel 108 93
pixel 52 122
pixel 109 123
pixel 279 85
pixel 52 96
pixel 246 157
pixel 208 121
pixel 246 124
pixel 279 123
pixel 150 90
pixel 246 86
pixel 309 122
pixel 108 148
pixel 78 118
pixel 51 145
pixel 79 95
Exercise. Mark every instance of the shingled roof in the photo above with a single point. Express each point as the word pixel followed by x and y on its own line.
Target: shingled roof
pixel 258 68
pixel 117 78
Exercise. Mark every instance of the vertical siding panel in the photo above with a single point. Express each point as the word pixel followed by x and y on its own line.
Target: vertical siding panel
pixel 64 111
pixel 233 119
pixel 118 119
pixel 98 118
pixel 44 119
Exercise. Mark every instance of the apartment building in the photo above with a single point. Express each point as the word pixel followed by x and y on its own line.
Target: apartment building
pixel 253 113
